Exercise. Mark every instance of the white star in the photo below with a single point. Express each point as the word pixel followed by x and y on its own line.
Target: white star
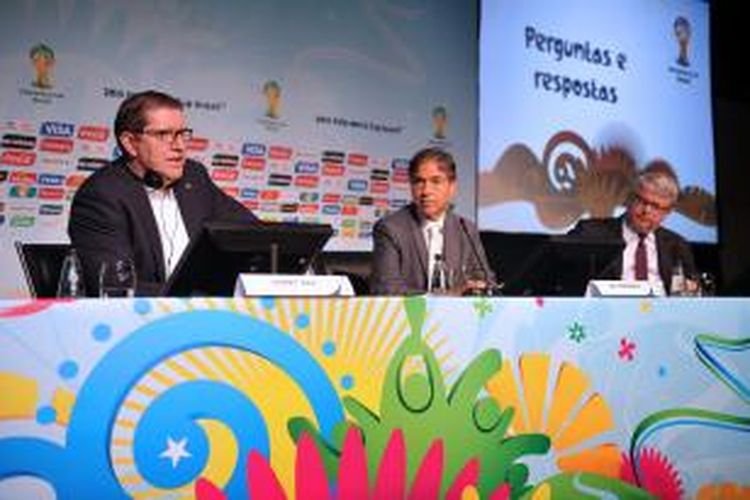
pixel 175 450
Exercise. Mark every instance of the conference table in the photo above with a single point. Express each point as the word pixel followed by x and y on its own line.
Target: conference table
pixel 457 397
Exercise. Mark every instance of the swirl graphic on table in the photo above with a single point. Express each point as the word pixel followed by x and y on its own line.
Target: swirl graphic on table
pixel 84 468
pixel 698 416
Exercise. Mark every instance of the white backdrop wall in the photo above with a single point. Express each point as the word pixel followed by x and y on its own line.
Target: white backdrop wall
pixel 359 83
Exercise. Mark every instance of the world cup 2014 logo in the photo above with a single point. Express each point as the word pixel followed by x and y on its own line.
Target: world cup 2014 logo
pixel 682 33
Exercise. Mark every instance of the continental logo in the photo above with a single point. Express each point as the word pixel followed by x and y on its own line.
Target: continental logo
pixel 51 179
pixel 357 160
pixel 22 191
pixel 253 149
pixel 89 164
pixel 306 167
pixel 198 144
pixel 18 158
pixel 280 153
pixel 60 145
pixel 225 160
pixel 333 170
pixel 48 209
pixel 279 180
pixel 333 156
pixel 306 181
pixel 253 163
pixel 18 141
pixel 224 174
pixel 93 133
pixel 57 129
pixel 51 193
pixel 23 177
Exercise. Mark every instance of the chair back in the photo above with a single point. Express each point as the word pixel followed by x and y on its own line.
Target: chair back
pixel 42 263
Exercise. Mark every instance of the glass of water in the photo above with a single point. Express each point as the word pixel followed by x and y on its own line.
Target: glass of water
pixel 117 278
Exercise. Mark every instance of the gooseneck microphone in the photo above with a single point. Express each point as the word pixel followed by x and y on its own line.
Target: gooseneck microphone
pixel 491 285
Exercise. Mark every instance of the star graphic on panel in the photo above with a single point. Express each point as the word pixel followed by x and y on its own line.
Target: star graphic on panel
pixel 482 307
pixel 576 331
pixel 175 451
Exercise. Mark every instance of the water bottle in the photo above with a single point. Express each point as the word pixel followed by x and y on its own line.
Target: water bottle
pixel 71 277
pixel 439 278
pixel 677 286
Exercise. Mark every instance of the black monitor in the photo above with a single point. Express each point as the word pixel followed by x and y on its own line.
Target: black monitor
pixel 563 266
pixel 222 250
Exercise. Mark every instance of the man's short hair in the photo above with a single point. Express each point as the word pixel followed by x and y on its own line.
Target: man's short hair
pixel 131 116
pixel 660 177
pixel 444 159
pixel 41 50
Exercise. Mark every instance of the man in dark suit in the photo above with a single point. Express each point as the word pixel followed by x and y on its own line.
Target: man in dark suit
pixel 410 241
pixel 651 252
pixel 148 204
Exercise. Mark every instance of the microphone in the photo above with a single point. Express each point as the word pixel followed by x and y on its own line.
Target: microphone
pixel 475 252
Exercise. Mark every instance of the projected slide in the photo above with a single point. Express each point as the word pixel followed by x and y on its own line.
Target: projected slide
pixel 577 96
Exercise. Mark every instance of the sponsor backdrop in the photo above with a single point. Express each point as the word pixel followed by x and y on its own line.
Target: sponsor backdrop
pixel 303 111
pixel 469 398
pixel 575 96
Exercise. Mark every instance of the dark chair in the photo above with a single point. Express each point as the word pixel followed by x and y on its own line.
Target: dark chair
pixel 41 263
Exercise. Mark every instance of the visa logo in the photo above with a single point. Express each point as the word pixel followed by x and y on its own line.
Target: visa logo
pixel 306 167
pixel 253 149
pixel 331 209
pixel 57 129
pixel 400 163
pixel 249 193
pixel 357 185
pixel 51 179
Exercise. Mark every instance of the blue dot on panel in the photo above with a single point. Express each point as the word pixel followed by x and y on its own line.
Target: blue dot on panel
pixel 101 332
pixel 347 382
pixel 662 371
pixel 142 306
pixel 329 348
pixel 303 320
pixel 68 369
pixel 46 415
pixel 267 302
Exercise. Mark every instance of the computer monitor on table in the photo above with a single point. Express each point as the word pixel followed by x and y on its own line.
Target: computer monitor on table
pixel 222 250
pixel 563 266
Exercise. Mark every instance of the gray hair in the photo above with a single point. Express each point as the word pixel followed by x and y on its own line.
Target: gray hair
pixel 659 176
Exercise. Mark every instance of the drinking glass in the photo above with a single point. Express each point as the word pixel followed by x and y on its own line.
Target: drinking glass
pixel 117 278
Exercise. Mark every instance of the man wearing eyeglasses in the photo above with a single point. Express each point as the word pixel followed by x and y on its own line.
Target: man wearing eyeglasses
pixel 146 205
pixel 410 241
pixel 651 252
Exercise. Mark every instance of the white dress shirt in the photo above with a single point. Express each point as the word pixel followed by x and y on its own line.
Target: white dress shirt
pixel 172 232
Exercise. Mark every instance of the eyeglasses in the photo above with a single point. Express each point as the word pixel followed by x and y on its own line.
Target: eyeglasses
pixel 650 205
pixel 170 136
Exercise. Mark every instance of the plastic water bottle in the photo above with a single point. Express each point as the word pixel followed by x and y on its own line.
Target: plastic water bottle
pixel 677 286
pixel 71 277
pixel 439 278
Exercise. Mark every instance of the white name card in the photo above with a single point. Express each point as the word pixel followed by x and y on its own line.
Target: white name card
pixel 621 288
pixel 292 285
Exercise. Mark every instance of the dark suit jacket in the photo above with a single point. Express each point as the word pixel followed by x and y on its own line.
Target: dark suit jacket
pixel 670 247
pixel 111 217
pixel 400 255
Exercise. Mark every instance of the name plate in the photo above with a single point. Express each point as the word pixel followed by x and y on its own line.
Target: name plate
pixel 621 288
pixel 292 285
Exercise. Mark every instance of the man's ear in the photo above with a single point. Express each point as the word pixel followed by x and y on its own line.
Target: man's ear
pixel 127 139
